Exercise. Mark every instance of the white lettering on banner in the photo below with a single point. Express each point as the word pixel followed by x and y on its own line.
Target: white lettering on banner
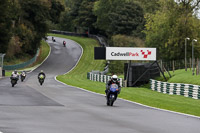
pixel 125 53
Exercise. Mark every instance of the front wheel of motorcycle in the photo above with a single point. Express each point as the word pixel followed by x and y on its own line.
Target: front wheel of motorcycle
pixel 111 104
pixel 108 104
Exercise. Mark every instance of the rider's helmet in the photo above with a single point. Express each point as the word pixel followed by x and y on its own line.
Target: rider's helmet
pixel 15 71
pixel 114 78
pixel 23 72
pixel 41 71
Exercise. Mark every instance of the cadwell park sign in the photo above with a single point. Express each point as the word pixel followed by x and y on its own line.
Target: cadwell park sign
pixel 132 53
pixel 125 53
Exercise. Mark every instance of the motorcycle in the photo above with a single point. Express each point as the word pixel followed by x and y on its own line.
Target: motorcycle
pixel 13 81
pixel 53 39
pixel 112 94
pixel 41 79
pixel 23 76
pixel 64 43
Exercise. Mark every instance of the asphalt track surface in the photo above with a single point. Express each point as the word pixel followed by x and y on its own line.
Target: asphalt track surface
pixel 58 108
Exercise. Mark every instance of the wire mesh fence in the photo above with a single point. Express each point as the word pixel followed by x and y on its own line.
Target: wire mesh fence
pixel 181 64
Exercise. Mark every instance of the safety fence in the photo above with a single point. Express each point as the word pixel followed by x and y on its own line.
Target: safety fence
pixel 101 78
pixel 187 90
pixel 22 65
pixel 181 64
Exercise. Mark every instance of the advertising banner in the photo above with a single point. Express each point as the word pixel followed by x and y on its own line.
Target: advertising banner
pixel 125 53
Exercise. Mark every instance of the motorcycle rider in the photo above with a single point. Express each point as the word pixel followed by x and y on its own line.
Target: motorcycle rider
pixel 64 43
pixel 23 75
pixel 53 39
pixel 41 74
pixel 15 74
pixel 113 80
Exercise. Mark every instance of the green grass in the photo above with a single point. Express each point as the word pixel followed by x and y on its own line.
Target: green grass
pixel 182 76
pixel 15 60
pixel 142 95
pixel 44 51
pixel 78 77
pixel 163 101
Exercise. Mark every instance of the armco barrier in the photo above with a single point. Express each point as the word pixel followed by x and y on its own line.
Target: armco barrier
pixel 101 78
pixel 22 65
pixel 187 90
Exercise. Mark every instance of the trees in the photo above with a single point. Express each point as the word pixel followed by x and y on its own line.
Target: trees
pixel 101 10
pixel 149 6
pixel 119 17
pixel 86 18
pixel 127 19
pixel 5 25
pixel 71 14
pixel 169 26
pixel 24 23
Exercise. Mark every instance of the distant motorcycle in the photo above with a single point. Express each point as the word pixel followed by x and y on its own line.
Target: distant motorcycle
pixel 112 94
pixel 64 43
pixel 53 39
pixel 23 76
pixel 41 79
pixel 14 81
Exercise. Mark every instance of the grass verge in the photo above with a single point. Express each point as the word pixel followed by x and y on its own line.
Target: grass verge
pixel 143 95
pixel 44 52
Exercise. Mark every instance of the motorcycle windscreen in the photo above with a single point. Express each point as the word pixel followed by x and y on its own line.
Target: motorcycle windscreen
pixel 41 76
pixel 114 87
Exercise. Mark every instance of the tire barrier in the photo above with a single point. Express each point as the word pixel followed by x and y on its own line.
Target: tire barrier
pixel 187 90
pixel 22 65
pixel 101 78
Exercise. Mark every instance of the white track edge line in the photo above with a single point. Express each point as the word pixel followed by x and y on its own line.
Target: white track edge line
pixel 179 113
pixel 165 110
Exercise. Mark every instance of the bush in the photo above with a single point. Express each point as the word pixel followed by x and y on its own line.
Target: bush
pixel 126 41
pixel 116 67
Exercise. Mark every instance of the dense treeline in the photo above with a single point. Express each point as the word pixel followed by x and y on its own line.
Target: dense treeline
pixel 23 24
pixel 110 18
pixel 168 27
pixel 163 24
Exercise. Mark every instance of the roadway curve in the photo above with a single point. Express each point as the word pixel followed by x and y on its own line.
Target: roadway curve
pixel 58 108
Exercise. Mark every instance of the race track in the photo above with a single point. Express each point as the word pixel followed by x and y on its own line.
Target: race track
pixel 58 108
